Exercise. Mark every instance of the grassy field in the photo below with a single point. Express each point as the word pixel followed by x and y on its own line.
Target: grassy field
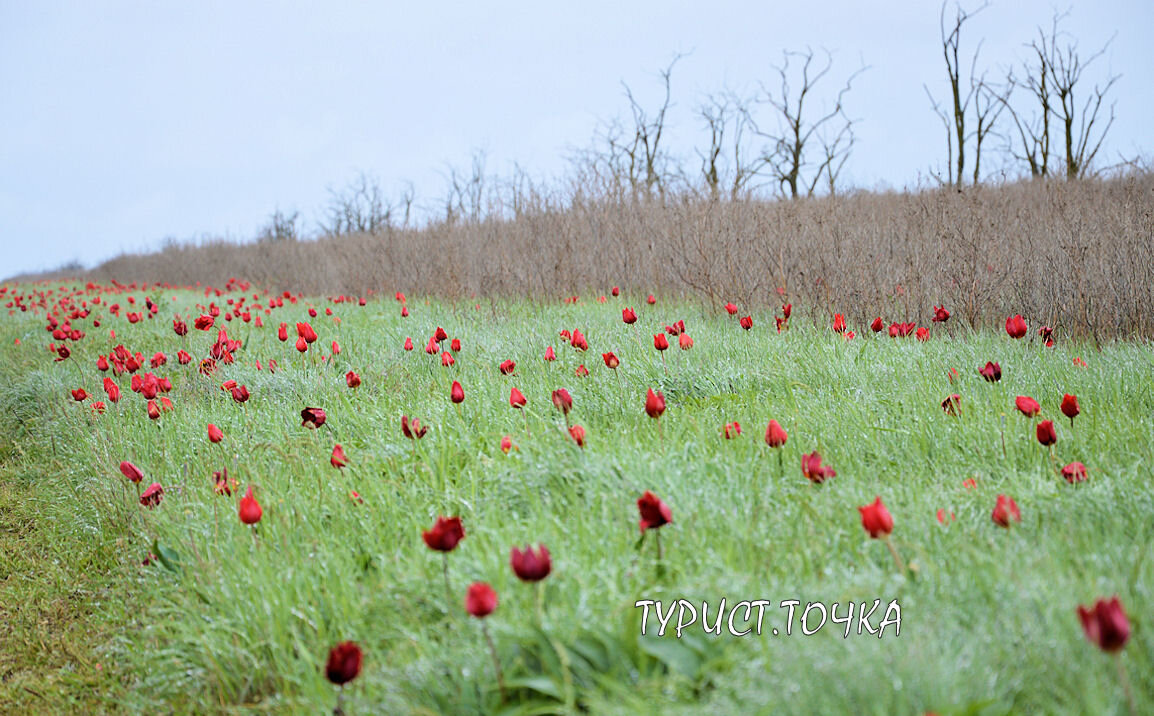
pixel 231 618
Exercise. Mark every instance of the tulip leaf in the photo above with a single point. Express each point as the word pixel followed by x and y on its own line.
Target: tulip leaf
pixel 676 655
pixel 169 559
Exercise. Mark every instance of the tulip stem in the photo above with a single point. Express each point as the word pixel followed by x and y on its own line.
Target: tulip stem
pixel 496 661
pixel 1125 680
pixel 448 588
pixel 339 710
pixel 897 558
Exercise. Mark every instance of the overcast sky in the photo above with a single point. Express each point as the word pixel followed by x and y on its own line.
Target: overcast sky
pixel 122 123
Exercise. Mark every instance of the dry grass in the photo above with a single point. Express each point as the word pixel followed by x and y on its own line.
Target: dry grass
pixel 1077 256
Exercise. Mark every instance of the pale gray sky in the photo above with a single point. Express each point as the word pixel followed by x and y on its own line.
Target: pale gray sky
pixel 122 123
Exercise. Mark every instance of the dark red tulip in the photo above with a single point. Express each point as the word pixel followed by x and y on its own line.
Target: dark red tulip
pixel 240 393
pixel 786 310
pixel 352 379
pixel 132 472
pixel 79 395
pixel 654 403
pixel 445 534
pixel 344 663
pixel 877 326
pixel 562 400
pixel 249 511
pixel 1074 472
pixel 413 430
pixel 952 404
pixel 1105 624
pixel 215 434
pixel 480 600
pixel 838 323
pixel 578 434
pixel 313 417
pixel 507 367
pixel 746 322
pixel 153 410
pixel 1016 326
pixel 1070 407
pixel 338 460
pixel 439 334
pixel 813 470
pixel 1005 511
pixel 616 291
pixel 1027 406
pixel 628 316
pixel 654 512
pixel 457 393
pixel 992 372
pixel 941 315
pixel 179 327
pixel 775 435
pixel 876 519
pixel 660 342
pixel 404 311
pixel 203 323
pixel 530 565
pixel 152 495
pixel 611 360
pixel 1046 433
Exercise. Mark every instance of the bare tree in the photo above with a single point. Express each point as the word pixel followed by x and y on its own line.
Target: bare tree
pixel 359 208
pixel 646 159
pixel 728 164
pixel 954 117
pixel 280 227
pixel 1082 140
pixel 786 156
pixel 465 197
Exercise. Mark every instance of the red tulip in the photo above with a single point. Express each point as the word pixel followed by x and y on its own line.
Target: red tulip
pixel 550 355
pixel 651 300
pixel 731 430
pixel 654 403
pixel 282 332
pixel 654 512
pixel 352 379
pixel 215 434
pixel 302 345
pixel 99 407
pixel 952 404
pixel 240 393
pixel 457 393
pixel 562 400
pixel 507 367
pixel 813 470
pixel 250 511
pixel 923 334
pixel 992 372
pixel 431 347
pixel 404 311
pixel 731 309
pixel 153 410
pixel 628 316
pixel 203 323
pixel 786 310
pixel 775 436
pixel 132 472
pixel 684 341
pixel 313 417
pixel 101 364
pixel 414 430
pixel 305 331
pixel 611 360
pixel 1070 407
pixel 838 323
pixel 408 344
pixel 941 315
pixel 445 534
pixel 1006 511
pixel 1074 472
pixel 506 444
pixel 152 495
pixel 447 360
pixel 344 663
pixel 517 399
pixel 660 342
pixel 1046 433
pixel 530 565
pixel 1105 624
pixel 876 519
pixel 577 340
pixel 578 434
pixel 952 374
pixel 183 357
pixel 338 460
pixel 616 291
pixel 944 516
pixel 877 325
pixel 1027 406
pixel 179 327
pixel 480 600
pixel 746 322
pixel 112 389
pixel 582 371
pixel 79 395
pixel 1016 326
pixel 439 334
pixel 455 345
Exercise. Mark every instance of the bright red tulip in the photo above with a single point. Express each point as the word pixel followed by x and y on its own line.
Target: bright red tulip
pixel 215 434
pixel 654 512
pixel 447 359
pixel 577 340
pixel 1027 406
pixel 813 470
pixel 1046 432
pixel 923 334
pixel 684 341
pixel 439 334
pixel 408 343
pixel 562 400
pixel 153 410
pixel 746 322
pixel 838 323
pixel 611 360
pixel 132 472
pixel 941 315
pixel 305 331
pixel 550 355
pixel 183 357
pixel 1105 624
pixel 530 565
pixel 578 434
pixel 1006 511
pixel 313 417
pixel 1070 407
pixel 282 332
pixel 250 511
pixel 1074 472
pixel 628 316
pixel 79 395
pixel 112 389
pixel 1016 326
pixel 344 663
pixel 352 379
pixel 775 436
pixel 457 393
pixel 455 345
pixel 507 367
pixel 654 403
pixel 877 325
pixel 660 342
pixel 480 600
pixel 445 534
pixel 517 399
pixel 506 444
pixel 338 460
pixel 876 519
pixel 731 309
pixel 651 300
pixel 731 430
pixel 152 495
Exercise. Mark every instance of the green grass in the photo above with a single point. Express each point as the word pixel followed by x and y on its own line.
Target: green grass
pixel 233 622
